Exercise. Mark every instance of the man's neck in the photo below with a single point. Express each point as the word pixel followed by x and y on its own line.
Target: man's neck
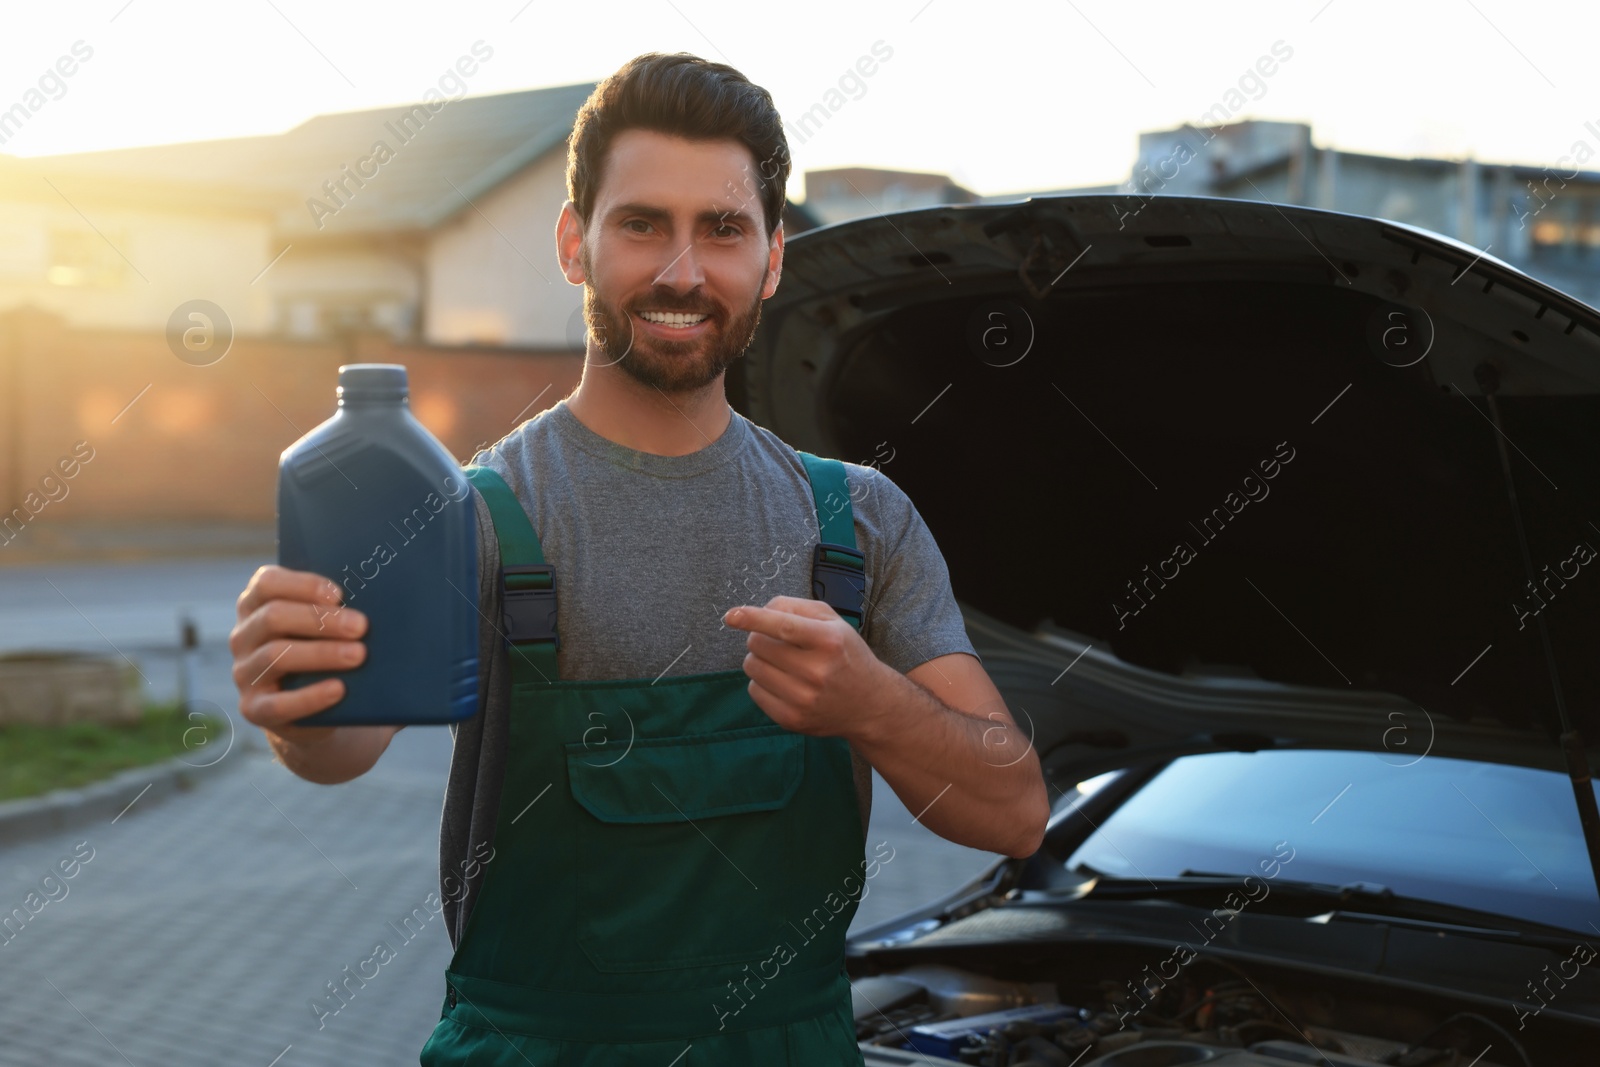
pixel 641 417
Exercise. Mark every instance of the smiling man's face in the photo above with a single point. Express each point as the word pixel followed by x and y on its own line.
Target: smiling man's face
pixel 675 258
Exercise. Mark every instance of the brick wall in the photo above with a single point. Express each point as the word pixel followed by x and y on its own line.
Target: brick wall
pixel 169 442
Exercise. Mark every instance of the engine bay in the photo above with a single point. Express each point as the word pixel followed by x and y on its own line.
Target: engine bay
pixel 930 1014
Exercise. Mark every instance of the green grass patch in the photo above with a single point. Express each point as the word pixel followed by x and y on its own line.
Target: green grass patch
pixel 37 759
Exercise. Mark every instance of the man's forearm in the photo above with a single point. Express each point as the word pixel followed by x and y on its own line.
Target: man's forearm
pixel 971 780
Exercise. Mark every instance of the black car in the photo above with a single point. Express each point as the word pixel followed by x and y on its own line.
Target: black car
pixel 1277 528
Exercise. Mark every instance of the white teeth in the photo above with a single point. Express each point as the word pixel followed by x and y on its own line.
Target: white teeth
pixel 671 318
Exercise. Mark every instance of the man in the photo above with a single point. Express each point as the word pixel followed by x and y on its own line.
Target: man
pixel 653 832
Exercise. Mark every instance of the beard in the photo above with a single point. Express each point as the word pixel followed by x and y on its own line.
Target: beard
pixel 670 366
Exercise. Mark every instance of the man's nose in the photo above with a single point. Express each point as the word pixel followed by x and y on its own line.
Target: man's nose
pixel 682 273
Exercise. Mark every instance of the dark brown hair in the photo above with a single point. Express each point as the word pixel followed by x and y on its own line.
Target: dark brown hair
pixel 685 96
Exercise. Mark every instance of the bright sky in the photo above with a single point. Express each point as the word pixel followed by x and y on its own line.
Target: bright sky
pixel 1001 95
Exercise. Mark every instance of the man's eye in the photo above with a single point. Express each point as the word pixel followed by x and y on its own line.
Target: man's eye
pixel 725 230
pixel 640 222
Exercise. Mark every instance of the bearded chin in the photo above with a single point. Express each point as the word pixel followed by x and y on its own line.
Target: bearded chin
pixel 668 366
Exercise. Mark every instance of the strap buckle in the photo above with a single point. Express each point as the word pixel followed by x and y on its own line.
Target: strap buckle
pixel 530 603
pixel 843 585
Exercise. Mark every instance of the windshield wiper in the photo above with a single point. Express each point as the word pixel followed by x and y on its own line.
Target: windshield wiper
pixel 1354 901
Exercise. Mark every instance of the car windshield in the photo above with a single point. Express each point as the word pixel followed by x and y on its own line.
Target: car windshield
pixel 1496 838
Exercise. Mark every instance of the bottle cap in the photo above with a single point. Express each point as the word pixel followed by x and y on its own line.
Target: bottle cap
pixel 372 381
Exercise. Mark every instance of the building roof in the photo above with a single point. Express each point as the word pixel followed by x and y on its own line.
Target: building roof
pixel 876 179
pixel 459 153
pixel 439 161
pixel 1281 156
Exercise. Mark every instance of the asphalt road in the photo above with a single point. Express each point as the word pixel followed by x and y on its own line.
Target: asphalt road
pixel 200 929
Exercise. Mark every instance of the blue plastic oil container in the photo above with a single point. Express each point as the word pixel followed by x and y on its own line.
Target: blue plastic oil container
pixel 373 501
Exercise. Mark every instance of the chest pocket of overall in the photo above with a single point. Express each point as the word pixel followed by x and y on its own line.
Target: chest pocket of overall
pixel 687 851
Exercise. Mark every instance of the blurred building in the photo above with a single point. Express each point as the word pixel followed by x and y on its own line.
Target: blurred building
pixel 430 222
pixel 1542 220
pixel 850 192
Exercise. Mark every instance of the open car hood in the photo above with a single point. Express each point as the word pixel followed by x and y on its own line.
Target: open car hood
pixel 1238 457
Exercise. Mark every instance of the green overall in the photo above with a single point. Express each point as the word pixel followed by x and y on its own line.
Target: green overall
pixel 680 901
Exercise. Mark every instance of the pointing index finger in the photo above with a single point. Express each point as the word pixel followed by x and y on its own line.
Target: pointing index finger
pixel 789 620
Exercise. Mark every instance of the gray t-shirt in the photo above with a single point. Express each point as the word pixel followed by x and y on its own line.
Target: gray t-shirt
pixel 648 552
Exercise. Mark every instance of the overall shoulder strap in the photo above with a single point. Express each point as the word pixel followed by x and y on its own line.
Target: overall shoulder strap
pixel 838 569
pixel 528 622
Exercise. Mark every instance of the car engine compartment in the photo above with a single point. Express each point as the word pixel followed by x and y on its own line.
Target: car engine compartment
pixel 1213 1011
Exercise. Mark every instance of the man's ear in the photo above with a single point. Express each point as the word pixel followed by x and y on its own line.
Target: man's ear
pixel 569 243
pixel 774 263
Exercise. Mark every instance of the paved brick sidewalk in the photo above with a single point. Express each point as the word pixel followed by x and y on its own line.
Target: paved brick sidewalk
pixel 201 930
